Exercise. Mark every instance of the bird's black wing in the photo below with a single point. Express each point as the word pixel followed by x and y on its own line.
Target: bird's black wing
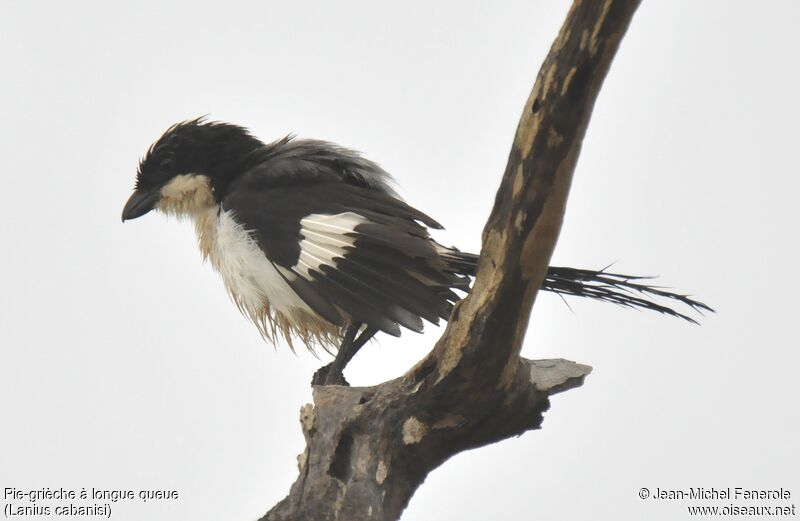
pixel 351 252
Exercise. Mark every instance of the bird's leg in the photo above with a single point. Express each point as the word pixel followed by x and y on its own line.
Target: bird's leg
pixel 332 374
pixel 345 353
pixel 358 343
pixel 335 374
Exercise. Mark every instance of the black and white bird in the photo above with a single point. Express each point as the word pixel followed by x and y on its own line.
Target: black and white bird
pixel 313 244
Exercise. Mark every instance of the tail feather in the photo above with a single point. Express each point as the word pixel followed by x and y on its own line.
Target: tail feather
pixel 625 290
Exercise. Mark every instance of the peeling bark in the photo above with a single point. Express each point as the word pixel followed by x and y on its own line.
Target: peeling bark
pixel 368 449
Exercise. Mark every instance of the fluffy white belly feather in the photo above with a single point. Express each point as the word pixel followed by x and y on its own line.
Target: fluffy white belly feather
pixel 247 273
pixel 258 287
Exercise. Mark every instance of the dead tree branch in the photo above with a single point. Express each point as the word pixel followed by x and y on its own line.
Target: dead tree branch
pixel 368 449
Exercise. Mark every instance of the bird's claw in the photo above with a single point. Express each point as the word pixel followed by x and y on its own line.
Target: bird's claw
pixel 324 376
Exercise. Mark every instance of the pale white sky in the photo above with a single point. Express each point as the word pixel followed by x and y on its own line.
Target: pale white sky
pixel 124 365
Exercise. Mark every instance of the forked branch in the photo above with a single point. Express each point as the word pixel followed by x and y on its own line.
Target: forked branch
pixel 368 449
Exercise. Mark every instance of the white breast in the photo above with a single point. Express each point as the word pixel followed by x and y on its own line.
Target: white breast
pixel 251 279
pixel 259 287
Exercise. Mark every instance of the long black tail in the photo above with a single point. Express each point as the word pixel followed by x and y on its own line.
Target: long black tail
pixel 625 290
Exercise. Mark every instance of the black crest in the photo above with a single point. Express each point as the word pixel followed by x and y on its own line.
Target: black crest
pixel 209 148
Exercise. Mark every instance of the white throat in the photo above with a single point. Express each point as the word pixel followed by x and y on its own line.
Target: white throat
pixel 186 195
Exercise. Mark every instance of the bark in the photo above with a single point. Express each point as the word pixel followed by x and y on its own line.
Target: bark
pixel 368 449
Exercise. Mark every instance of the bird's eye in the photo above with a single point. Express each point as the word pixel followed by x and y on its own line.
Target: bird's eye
pixel 166 164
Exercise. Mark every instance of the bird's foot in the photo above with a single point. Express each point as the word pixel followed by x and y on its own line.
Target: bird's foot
pixel 324 376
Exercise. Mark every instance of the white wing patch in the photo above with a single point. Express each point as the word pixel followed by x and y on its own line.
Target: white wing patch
pixel 325 240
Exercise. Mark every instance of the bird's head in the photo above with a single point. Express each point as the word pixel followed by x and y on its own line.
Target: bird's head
pixel 185 170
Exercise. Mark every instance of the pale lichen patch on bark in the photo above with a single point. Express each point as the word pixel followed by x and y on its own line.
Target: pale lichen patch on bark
pixel 529 128
pixel 530 103
pixel 361 461
pixel 493 244
pixel 518 221
pixel 452 353
pixel 554 138
pixel 562 39
pixel 381 472
pixel 519 181
pixel 584 39
pixel 413 431
pixel 598 25
pixel 532 255
pixel 548 80
pixel 307 416
pixel 568 80
pixel 483 290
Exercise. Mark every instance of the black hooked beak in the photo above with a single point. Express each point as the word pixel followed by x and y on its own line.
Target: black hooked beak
pixel 140 203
